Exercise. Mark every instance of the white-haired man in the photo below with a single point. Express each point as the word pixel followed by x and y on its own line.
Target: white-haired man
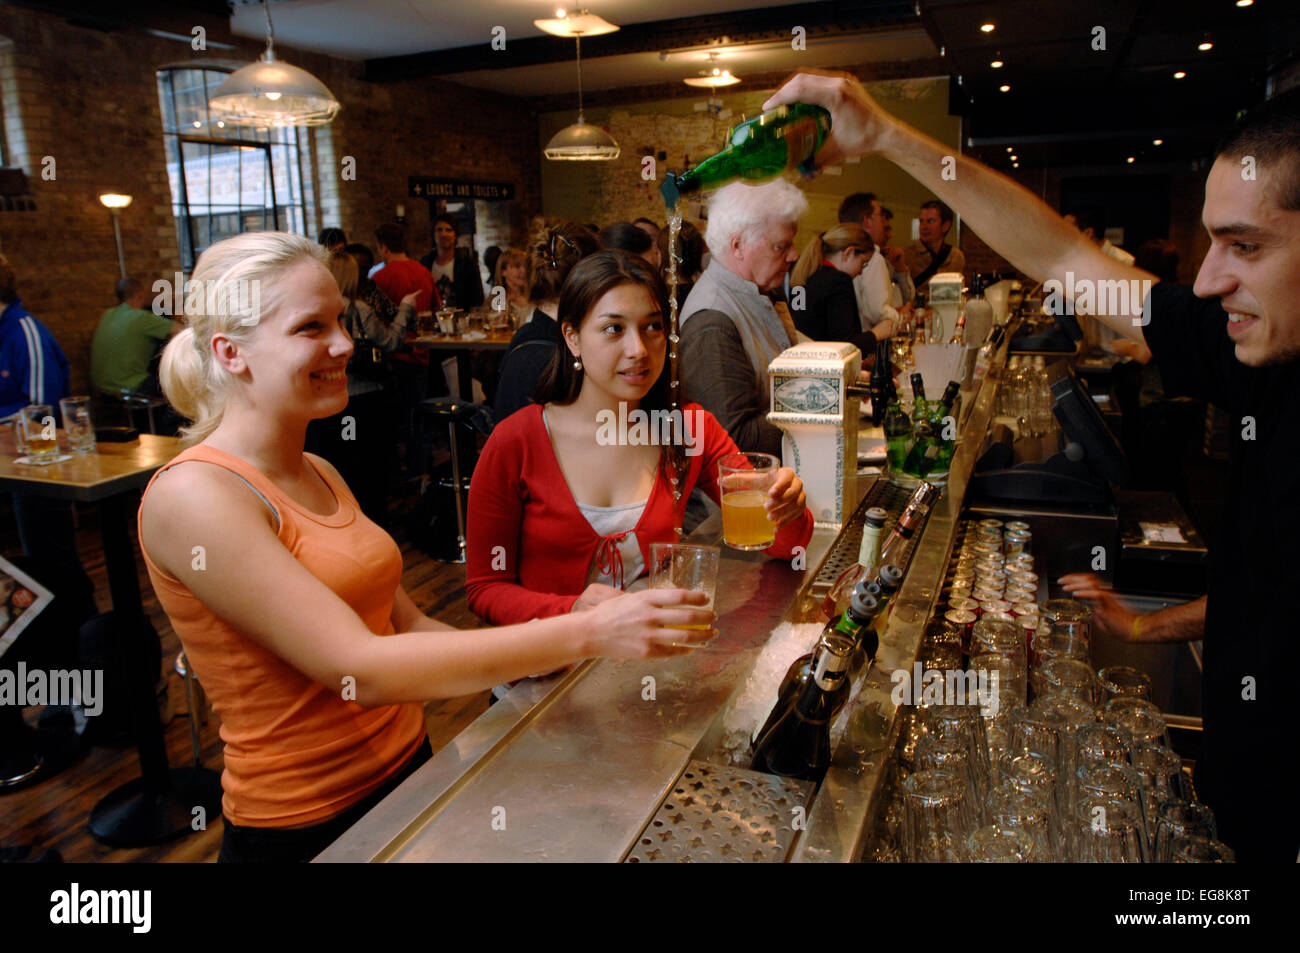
pixel 730 329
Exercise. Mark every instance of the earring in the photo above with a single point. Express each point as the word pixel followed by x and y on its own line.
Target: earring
pixel 577 365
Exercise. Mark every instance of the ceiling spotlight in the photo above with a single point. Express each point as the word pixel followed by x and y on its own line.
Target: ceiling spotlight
pixel 1205 47
pixel 1245 3
pixel 1010 149
pixel 1014 157
pixel 1179 75
pixel 989 27
pixel 1004 89
pixel 1131 160
pixel 1015 165
pixel 1157 142
pixel 996 64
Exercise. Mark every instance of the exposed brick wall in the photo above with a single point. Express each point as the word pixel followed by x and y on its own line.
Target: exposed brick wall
pixel 89 99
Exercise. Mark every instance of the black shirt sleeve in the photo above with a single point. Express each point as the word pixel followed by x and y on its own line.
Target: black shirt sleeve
pixel 1189 340
pixel 717 375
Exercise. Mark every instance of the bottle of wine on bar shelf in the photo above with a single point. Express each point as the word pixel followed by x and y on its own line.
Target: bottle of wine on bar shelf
pixel 852 623
pixel 890 579
pixel 984 358
pixel 909 521
pixel 798 744
pixel 898 435
pixel 882 382
pixel 774 142
pixel 873 532
pixel 959 330
pixel 919 408
pixel 929 434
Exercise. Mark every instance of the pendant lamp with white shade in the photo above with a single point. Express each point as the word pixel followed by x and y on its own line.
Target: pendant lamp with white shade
pixel 270 93
pixel 579 142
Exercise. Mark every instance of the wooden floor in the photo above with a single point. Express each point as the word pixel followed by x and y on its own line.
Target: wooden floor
pixel 54 814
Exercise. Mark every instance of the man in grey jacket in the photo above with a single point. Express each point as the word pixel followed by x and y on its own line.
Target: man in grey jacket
pixel 730 329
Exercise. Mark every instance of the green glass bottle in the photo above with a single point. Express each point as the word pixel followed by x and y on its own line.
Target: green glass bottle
pixel 925 453
pixel 898 435
pixel 760 148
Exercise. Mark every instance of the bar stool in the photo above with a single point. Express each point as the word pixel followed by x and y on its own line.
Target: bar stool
pixel 131 401
pixel 196 704
pixel 472 416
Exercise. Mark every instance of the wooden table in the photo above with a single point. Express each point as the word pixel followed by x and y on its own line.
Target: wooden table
pixel 464 348
pixel 158 805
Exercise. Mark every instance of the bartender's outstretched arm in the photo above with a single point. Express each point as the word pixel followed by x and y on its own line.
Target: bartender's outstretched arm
pixel 1112 618
pixel 1016 224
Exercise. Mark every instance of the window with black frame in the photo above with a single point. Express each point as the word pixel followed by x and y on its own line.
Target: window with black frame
pixel 226 178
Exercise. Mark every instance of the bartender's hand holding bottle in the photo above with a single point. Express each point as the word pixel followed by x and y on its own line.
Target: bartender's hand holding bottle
pixel 786 499
pixel 858 124
pixel 1110 616
pixel 640 624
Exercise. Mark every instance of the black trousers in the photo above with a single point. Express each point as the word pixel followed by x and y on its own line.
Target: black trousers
pixel 266 845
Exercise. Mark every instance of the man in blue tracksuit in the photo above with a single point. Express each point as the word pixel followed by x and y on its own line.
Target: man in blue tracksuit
pixel 33 368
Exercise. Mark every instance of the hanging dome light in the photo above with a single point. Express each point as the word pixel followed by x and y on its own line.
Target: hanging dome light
pixel 712 78
pixel 579 142
pixel 271 93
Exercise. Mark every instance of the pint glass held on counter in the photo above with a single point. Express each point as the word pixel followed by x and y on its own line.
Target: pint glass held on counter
pixel 745 479
pixel 685 566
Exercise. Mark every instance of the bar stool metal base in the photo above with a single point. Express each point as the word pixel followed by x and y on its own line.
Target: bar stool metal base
pixel 132 816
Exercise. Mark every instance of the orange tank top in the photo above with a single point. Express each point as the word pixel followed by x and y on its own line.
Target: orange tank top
pixel 296 753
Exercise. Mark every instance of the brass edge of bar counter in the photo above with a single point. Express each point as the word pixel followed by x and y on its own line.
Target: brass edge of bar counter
pixel 839 825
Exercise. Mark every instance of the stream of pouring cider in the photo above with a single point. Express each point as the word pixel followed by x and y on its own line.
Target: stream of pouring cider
pixel 770 144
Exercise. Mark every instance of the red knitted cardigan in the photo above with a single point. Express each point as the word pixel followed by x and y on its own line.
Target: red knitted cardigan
pixel 529 548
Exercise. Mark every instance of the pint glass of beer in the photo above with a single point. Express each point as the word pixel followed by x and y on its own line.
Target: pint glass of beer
pixel 745 479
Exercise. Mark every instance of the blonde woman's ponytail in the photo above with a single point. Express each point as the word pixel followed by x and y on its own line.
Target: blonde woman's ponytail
pixel 808 262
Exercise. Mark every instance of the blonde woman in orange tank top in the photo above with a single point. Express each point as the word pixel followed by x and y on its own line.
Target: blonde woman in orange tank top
pixel 288 601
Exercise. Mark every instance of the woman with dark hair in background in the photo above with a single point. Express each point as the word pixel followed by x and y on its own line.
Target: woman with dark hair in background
pixel 624 236
pixel 690 257
pixel 557 245
pixel 825 271
pixel 367 290
pixel 576 513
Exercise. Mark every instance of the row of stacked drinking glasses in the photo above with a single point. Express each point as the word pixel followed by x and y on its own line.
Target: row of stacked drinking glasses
pixel 1026 754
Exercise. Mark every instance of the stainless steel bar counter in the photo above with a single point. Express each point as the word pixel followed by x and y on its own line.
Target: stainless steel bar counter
pixel 574 769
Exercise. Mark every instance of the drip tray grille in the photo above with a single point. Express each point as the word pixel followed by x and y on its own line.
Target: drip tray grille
pixel 719 814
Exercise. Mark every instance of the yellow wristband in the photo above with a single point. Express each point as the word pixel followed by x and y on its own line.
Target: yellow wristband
pixel 1137 626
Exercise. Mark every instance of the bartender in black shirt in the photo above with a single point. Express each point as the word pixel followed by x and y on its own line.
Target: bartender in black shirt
pixel 1233 339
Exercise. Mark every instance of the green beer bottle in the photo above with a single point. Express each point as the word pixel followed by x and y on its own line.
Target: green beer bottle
pixel 926 451
pixel 757 149
pixel 898 435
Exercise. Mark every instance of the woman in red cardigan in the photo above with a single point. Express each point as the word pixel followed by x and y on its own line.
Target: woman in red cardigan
pixel 569 493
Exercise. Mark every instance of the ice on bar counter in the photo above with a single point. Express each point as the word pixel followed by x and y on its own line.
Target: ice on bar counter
pixel 754 703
